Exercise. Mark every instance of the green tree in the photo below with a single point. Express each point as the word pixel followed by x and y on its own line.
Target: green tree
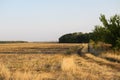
pixel 75 38
pixel 99 33
pixel 110 31
pixel 83 38
pixel 68 38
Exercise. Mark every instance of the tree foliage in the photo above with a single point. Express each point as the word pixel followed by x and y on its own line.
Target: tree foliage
pixel 110 31
pixel 75 38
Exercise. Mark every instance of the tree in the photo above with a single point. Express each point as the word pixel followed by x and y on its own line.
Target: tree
pixel 83 38
pixel 99 33
pixel 110 31
pixel 68 38
pixel 75 38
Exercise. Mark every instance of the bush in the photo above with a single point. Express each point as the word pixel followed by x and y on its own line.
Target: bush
pixel 118 43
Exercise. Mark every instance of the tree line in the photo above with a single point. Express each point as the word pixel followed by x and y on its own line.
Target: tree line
pixel 77 37
pixel 108 32
pixel 2 42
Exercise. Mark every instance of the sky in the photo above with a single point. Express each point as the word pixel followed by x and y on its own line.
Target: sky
pixel 47 20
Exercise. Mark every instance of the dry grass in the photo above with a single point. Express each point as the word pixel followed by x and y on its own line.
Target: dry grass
pixel 111 56
pixel 54 66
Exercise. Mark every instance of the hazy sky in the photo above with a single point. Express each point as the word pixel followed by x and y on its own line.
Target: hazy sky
pixel 47 20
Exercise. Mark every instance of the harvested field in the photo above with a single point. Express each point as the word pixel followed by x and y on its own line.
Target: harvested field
pixel 58 66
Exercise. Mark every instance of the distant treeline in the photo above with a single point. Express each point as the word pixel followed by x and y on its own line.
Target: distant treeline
pixel 109 33
pixel 77 37
pixel 13 42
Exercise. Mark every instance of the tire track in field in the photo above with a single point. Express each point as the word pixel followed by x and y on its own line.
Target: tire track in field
pixel 102 61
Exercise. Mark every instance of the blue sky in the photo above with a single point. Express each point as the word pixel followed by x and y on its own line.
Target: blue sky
pixel 47 20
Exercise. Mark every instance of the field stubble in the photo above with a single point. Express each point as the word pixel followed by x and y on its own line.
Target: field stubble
pixel 54 66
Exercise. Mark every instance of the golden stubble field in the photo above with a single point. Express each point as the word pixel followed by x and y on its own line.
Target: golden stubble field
pixel 49 61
